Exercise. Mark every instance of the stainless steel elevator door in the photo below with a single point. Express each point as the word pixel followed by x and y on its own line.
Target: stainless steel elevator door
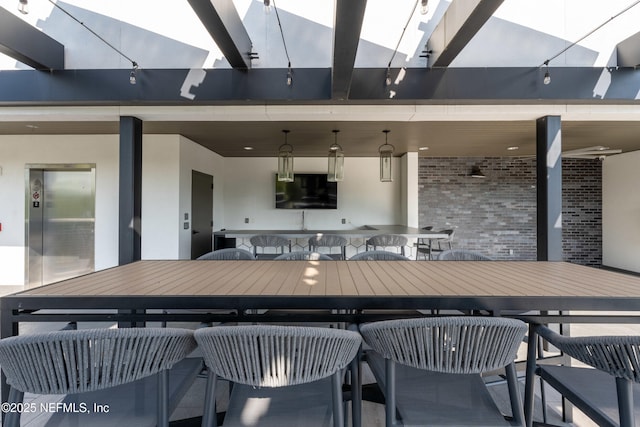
pixel 61 225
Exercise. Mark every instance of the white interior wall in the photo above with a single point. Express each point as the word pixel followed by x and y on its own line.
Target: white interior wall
pixel 18 150
pixel 621 211
pixel 249 192
pixel 166 193
pixel 160 196
pixel 410 189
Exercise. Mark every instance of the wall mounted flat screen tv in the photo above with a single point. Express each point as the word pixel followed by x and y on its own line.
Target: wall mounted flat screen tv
pixel 307 191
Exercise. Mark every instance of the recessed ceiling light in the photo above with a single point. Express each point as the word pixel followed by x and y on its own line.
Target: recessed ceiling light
pixel 248 148
pixel 513 148
pixel 423 148
pixel 32 126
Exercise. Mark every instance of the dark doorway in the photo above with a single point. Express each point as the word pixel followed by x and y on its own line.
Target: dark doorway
pixel 201 213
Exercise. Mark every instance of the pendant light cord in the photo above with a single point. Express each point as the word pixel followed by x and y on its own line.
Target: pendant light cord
pixel 281 33
pixel 403 31
pixel 133 63
pixel 589 33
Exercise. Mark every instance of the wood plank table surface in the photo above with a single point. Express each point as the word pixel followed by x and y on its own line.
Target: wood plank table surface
pixel 352 285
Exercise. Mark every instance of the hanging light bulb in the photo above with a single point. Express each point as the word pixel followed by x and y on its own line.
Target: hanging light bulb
pixel 424 7
pixel 386 157
pixel 387 80
pixel 267 6
pixel 133 75
pixel 285 160
pixel 547 77
pixel 23 6
pixel 335 171
pixel 289 75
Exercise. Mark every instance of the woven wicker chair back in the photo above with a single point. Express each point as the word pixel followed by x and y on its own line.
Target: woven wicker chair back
pixel 276 356
pixel 457 345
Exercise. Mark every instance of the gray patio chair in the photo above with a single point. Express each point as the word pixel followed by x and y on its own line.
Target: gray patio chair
pixel 269 241
pixel 271 362
pixel 423 244
pixel 438 245
pixel 329 241
pixel 462 255
pixel 616 360
pixel 430 368
pixel 303 255
pixel 378 256
pixel 69 362
pixel 228 254
pixel 387 240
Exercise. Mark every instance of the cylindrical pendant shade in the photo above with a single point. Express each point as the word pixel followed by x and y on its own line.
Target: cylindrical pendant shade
pixel 285 166
pixel 335 171
pixel 386 158
pixel 335 167
pixel 285 160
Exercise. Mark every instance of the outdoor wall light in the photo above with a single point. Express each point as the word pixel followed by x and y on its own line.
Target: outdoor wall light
pixel 476 172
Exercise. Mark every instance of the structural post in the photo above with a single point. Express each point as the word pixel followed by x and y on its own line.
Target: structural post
pixel 129 246
pixel 549 187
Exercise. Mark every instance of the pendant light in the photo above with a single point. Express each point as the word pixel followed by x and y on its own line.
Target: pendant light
pixel 285 160
pixel 386 157
pixel 335 171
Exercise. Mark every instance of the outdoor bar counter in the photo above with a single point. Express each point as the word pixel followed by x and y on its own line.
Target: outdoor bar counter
pixel 365 231
pixel 356 236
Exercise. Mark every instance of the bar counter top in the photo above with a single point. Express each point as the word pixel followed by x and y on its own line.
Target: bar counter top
pixel 364 231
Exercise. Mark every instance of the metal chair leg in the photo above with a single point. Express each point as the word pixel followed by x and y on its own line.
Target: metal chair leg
pixel 530 375
pixel 163 398
pixel 390 395
pixel 338 415
pixel 356 390
pixel 209 418
pixel 514 394
pixel 624 387
pixel 12 418
pixel 543 397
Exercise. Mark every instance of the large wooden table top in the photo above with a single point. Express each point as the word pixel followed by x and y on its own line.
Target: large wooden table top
pixel 348 279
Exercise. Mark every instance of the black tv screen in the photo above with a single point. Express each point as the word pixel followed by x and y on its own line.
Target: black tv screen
pixel 307 191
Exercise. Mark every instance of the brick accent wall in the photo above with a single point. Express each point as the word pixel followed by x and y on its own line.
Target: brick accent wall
pixel 582 211
pixel 496 215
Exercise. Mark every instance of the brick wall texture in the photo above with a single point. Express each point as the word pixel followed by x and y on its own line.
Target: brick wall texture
pixel 496 215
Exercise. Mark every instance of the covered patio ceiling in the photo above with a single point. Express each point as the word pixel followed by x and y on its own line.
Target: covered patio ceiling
pixel 358 138
pixel 434 106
